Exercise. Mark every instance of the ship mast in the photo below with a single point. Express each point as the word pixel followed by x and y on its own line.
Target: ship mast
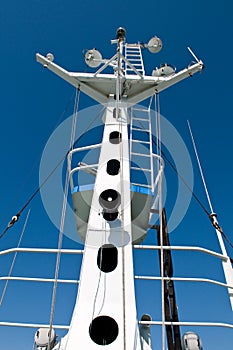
pixel 105 309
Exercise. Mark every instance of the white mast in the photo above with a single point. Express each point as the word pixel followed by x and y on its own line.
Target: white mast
pixel 105 310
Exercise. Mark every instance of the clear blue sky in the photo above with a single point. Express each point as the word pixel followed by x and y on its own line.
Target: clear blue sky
pixel 32 105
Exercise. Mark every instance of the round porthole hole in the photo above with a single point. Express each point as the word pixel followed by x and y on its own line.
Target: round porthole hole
pixel 103 330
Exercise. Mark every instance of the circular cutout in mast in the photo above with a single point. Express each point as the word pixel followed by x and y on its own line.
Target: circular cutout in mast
pixel 103 330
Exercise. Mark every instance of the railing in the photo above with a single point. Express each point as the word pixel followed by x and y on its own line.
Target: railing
pixel 194 324
pixel 198 249
pixel 76 169
pixel 35 279
pixel 185 279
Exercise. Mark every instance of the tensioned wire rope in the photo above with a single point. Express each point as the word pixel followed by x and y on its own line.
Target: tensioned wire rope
pixel 35 163
pixel 14 258
pixel 203 207
pixel 15 218
pixel 62 222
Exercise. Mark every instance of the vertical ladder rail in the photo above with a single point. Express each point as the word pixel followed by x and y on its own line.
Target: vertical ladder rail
pixel 151 152
pixel 145 144
pixel 133 54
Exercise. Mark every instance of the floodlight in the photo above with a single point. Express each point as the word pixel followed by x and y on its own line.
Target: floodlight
pixel 50 57
pixel 154 45
pixel 93 58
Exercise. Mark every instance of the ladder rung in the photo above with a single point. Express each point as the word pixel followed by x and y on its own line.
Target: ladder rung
pixel 141 169
pixel 140 109
pixel 143 119
pixel 141 141
pixel 141 185
pixel 132 70
pixel 136 65
pixel 132 45
pixel 145 130
pixel 140 154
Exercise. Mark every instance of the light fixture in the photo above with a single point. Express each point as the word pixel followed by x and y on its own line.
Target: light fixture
pixel 93 58
pixel 154 45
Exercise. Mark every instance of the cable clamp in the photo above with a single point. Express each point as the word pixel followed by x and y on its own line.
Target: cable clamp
pixel 213 218
pixel 14 219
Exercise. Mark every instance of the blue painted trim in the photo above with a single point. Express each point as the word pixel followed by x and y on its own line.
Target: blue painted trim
pixel 89 187
pixel 133 188
pixel 140 189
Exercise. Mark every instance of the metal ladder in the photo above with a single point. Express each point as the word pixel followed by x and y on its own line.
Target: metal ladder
pixel 133 54
pixel 141 148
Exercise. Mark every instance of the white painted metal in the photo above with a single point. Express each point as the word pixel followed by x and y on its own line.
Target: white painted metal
pixel 198 249
pixel 112 294
pixel 199 324
pixel 34 279
pixel 142 147
pixel 133 55
pixel 40 250
pixel 101 86
pixel 100 293
pixel 31 325
pixel 184 279
pixel 227 267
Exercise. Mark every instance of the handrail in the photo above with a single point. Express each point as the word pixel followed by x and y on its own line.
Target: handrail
pixel 202 324
pixel 69 159
pixel 188 248
pixel 32 325
pixel 41 250
pixel 76 169
pixel 79 149
pixel 35 279
pixel 184 279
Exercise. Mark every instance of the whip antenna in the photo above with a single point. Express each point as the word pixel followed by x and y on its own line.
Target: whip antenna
pixel 226 264
pixel 200 167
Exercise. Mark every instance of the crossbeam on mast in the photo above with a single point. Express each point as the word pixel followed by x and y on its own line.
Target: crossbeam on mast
pixel 101 86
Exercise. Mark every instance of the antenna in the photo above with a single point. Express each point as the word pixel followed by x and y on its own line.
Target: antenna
pixel 194 56
pixel 227 266
pixel 200 167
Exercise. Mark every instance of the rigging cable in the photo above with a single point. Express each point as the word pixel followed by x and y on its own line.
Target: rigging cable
pixel 216 226
pixel 29 175
pixel 15 218
pixel 210 216
pixel 62 222
pixel 200 168
pixel 14 259
pixel 161 152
